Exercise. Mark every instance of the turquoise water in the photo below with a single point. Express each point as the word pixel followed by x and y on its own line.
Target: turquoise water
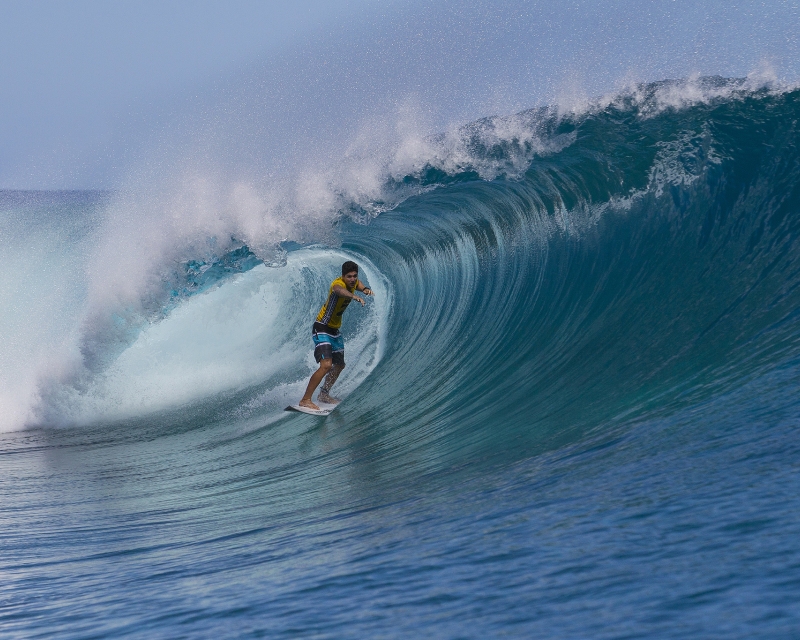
pixel 570 411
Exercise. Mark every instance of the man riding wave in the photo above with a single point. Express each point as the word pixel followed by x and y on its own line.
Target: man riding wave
pixel 328 340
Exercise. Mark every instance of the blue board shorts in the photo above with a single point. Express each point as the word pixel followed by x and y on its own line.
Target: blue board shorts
pixel 328 343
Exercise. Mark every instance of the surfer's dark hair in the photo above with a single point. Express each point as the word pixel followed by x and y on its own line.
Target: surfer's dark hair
pixel 348 267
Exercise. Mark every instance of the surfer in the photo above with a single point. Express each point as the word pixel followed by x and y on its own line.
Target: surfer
pixel 328 341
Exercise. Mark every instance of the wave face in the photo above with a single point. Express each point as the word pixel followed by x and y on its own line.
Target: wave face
pixel 569 411
pixel 647 267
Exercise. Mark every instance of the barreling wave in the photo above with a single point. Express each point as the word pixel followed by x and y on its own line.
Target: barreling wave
pixel 646 267
pixel 539 277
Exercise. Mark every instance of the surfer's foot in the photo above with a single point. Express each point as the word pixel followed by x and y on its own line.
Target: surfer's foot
pixel 327 399
pixel 308 405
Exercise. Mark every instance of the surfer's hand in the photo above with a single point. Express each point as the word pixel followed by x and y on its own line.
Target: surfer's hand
pixel 361 300
pixel 367 291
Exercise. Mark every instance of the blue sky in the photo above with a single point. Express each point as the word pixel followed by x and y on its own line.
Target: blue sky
pixel 73 73
pixel 87 86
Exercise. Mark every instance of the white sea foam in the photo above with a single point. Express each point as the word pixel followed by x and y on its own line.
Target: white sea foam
pixel 42 289
pixel 651 99
pixel 250 334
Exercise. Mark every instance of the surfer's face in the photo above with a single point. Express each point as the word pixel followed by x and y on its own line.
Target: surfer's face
pixel 351 278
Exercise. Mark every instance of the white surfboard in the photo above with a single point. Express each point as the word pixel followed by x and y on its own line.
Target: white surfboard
pixel 323 411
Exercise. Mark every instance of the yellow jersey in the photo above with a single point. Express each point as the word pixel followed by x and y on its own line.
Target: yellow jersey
pixel 332 310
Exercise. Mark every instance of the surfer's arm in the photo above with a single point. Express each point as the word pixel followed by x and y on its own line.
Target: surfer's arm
pixel 344 292
pixel 360 287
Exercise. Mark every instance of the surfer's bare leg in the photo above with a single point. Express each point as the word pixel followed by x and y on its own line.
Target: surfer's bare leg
pixel 330 379
pixel 316 378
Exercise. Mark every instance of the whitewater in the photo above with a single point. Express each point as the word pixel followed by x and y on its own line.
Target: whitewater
pixel 570 410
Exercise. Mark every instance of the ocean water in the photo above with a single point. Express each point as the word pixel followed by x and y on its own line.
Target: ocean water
pixel 570 410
